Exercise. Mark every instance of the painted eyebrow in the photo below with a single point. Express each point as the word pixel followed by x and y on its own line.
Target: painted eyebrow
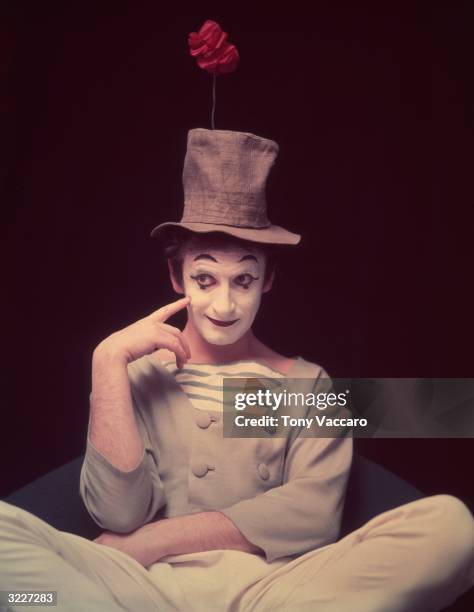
pixel 248 257
pixel 207 256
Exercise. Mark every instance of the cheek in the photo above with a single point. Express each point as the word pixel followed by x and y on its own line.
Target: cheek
pixel 199 299
pixel 249 302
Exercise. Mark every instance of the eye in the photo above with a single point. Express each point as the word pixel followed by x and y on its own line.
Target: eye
pixel 245 280
pixel 203 280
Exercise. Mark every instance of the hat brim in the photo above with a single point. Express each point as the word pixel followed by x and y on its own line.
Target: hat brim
pixel 273 234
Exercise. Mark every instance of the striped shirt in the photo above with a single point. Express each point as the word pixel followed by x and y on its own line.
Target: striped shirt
pixel 203 382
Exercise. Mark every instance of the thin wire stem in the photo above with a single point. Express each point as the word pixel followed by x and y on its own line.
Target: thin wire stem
pixel 213 99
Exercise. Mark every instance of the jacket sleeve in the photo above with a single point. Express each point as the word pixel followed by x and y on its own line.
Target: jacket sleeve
pixel 304 512
pixel 122 501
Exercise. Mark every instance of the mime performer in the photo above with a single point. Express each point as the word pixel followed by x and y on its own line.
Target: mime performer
pixel 195 521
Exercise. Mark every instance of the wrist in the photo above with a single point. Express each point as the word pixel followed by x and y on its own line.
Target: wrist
pixel 107 352
pixel 162 538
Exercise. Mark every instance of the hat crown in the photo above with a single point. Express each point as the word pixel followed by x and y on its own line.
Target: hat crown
pixel 224 177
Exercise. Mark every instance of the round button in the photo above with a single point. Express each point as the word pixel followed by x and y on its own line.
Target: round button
pixel 203 420
pixel 263 471
pixel 200 468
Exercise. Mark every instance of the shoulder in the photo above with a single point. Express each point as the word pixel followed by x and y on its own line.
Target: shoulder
pixel 293 367
pixel 280 363
pixel 310 369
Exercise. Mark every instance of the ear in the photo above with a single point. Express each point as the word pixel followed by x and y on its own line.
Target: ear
pixel 176 286
pixel 269 282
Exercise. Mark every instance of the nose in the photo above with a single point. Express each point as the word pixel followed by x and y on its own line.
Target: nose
pixel 223 304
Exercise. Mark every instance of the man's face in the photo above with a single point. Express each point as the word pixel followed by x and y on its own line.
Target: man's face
pixel 225 286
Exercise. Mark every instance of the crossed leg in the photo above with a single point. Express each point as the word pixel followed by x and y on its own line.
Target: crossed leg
pixel 417 557
pixel 86 575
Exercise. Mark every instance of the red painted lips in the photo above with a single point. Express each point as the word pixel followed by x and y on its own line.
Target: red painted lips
pixel 222 323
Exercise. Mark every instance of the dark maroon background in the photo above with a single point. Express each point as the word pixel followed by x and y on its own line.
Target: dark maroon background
pixel 372 109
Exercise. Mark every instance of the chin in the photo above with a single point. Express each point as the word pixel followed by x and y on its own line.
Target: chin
pixel 219 338
pixel 220 341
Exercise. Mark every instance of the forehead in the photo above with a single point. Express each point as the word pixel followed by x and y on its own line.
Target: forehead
pixel 226 254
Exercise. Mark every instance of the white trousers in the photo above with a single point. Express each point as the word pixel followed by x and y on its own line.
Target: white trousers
pixel 419 556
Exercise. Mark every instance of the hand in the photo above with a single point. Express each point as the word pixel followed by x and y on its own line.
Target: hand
pixel 148 335
pixel 140 544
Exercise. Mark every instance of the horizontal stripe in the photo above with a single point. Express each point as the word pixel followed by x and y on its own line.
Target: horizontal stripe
pixel 256 374
pixel 191 372
pixel 229 370
pixel 203 384
pixel 203 397
pixel 198 383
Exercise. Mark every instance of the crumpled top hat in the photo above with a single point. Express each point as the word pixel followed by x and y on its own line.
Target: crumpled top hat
pixel 224 180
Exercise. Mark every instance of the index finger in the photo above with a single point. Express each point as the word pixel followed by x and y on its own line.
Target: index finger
pixel 165 312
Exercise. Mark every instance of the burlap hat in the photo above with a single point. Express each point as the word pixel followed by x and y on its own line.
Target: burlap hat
pixel 224 179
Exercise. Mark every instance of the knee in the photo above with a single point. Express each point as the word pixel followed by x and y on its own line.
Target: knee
pixel 452 528
pixel 455 517
pixel 7 513
pixel 6 510
pixel 11 517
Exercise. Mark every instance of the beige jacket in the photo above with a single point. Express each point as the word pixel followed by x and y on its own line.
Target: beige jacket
pixel 285 495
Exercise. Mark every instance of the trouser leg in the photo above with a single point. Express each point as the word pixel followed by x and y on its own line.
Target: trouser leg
pixel 417 557
pixel 86 575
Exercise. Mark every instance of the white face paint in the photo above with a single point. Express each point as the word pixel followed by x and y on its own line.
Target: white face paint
pixel 223 288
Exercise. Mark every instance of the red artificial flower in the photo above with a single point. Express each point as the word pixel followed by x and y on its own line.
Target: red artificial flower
pixel 212 51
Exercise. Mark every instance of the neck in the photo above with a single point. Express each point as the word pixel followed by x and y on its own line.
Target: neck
pixel 204 352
